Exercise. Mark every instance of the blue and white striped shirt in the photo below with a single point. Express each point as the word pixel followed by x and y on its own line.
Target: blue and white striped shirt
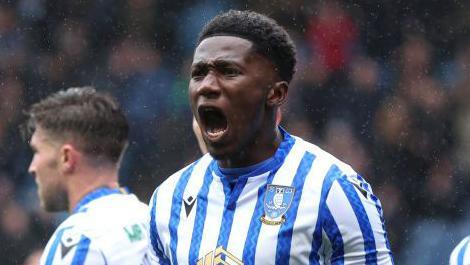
pixel 106 227
pixel 461 253
pixel 329 214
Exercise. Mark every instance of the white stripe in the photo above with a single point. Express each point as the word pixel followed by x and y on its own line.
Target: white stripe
pixel 268 233
pixel 187 223
pixel 308 212
pixel 163 207
pixel 215 208
pixel 348 225
pixel 243 214
pixel 455 253
pixel 345 168
pixel 466 256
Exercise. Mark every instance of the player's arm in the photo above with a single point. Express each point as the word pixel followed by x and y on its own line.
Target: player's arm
pixel 461 253
pixel 352 222
pixel 78 250
pixel 156 253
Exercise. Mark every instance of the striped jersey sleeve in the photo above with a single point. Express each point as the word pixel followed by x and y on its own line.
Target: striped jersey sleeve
pixel 156 254
pixel 110 230
pixel 352 221
pixel 461 253
pixel 69 247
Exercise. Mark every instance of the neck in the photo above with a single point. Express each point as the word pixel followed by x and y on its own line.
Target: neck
pixel 260 149
pixel 88 180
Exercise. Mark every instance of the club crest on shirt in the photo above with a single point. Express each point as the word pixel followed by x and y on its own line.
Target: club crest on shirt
pixel 277 201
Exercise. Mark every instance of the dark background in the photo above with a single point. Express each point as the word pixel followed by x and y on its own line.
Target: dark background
pixel 383 85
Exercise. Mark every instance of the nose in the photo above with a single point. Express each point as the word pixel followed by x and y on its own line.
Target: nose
pixel 209 87
pixel 32 169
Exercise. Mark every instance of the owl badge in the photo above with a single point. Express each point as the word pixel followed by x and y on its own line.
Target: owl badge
pixel 277 201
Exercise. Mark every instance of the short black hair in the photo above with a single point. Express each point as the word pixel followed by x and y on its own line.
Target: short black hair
pixel 92 119
pixel 269 38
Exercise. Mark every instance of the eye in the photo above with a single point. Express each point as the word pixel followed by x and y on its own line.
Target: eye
pixel 230 71
pixel 198 73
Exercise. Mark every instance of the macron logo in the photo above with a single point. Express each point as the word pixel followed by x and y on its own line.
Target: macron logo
pixel 188 204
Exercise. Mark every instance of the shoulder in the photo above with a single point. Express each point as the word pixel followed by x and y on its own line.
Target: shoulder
pixel 332 168
pixel 325 157
pixel 338 182
pixel 109 226
pixel 117 218
pixel 349 213
pixel 193 170
pixel 460 254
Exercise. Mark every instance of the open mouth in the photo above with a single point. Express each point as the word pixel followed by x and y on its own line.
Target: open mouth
pixel 214 121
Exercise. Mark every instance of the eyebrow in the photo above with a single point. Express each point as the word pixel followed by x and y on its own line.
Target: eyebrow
pixel 215 63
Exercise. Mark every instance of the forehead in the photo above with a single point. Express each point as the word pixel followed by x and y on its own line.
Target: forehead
pixel 222 47
pixel 39 137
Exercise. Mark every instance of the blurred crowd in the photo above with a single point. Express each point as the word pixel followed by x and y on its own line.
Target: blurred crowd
pixel 383 85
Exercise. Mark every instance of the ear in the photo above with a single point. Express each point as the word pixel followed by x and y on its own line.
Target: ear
pixel 69 157
pixel 277 94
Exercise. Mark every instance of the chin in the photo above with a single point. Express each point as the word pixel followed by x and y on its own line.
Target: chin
pixel 54 203
pixel 217 153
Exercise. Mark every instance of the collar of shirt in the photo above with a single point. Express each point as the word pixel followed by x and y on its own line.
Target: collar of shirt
pixel 272 163
pixel 98 193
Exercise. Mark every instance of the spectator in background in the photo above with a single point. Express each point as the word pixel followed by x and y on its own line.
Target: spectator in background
pixel 460 94
pixel 333 36
pixel 141 83
pixel 16 233
pixel 33 258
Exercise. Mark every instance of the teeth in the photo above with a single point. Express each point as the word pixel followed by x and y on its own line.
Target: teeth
pixel 215 132
pixel 214 122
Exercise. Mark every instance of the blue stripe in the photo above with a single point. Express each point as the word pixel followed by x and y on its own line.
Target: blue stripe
pixel 154 237
pixel 82 251
pixel 333 233
pixel 53 249
pixel 379 209
pixel 249 250
pixel 176 210
pixel 201 212
pixel 332 174
pixel 231 198
pixel 462 253
pixel 362 218
pixel 284 240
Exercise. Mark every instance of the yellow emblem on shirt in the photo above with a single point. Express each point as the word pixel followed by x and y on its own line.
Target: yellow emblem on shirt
pixel 219 256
